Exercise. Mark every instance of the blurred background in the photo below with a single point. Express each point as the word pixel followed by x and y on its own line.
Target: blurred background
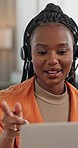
pixel 14 16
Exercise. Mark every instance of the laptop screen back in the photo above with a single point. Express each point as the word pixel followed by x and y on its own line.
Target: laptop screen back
pixel 50 135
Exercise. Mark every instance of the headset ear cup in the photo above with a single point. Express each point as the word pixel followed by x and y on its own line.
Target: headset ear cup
pixel 76 52
pixel 22 53
pixel 28 52
pixel 25 53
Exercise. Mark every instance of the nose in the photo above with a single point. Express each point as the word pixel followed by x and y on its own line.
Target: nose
pixel 52 58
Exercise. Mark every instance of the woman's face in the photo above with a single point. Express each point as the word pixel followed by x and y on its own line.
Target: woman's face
pixel 52 55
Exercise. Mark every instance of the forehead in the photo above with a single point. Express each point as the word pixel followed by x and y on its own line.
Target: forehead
pixel 51 31
pixel 52 26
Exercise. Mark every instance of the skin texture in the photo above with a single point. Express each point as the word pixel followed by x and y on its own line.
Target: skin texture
pixel 52 56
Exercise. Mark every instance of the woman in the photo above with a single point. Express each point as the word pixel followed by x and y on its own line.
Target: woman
pixel 49 44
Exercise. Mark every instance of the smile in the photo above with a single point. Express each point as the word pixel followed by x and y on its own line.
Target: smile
pixel 53 73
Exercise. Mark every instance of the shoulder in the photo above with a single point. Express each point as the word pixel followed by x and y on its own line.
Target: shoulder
pixel 73 92
pixel 73 96
pixel 72 89
pixel 18 88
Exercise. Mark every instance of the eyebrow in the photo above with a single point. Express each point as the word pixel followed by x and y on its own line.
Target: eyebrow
pixel 59 45
pixel 37 45
pixel 63 44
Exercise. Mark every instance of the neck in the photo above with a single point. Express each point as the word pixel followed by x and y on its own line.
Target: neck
pixel 57 89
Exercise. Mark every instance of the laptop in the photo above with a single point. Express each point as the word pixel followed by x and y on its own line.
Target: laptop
pixel 50 135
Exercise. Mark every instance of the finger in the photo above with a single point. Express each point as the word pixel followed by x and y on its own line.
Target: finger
pixel 13 127
pixel 5 108
pixel 18 109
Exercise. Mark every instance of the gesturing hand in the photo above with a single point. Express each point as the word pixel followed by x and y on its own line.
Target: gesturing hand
pixel 12 120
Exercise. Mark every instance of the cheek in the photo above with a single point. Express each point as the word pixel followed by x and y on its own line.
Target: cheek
pixel 37 61
pixel 68 63
pixel 36 64
pixel 69 58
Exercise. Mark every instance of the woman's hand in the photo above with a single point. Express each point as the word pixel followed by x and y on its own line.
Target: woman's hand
pixel 12 120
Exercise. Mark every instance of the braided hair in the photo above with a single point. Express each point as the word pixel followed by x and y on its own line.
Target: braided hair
pixel 51 13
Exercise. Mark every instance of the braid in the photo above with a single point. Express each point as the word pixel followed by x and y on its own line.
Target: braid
pixel 52 13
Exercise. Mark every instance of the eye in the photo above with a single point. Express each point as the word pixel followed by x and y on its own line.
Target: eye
pixel 41 52
pixel 62 51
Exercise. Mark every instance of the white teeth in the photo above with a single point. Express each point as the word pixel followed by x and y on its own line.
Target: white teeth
pixel 52 72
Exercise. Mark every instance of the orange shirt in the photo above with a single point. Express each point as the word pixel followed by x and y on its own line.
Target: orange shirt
pixel 24 93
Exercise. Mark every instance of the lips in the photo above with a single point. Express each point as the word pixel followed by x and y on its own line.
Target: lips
pixel 52 72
